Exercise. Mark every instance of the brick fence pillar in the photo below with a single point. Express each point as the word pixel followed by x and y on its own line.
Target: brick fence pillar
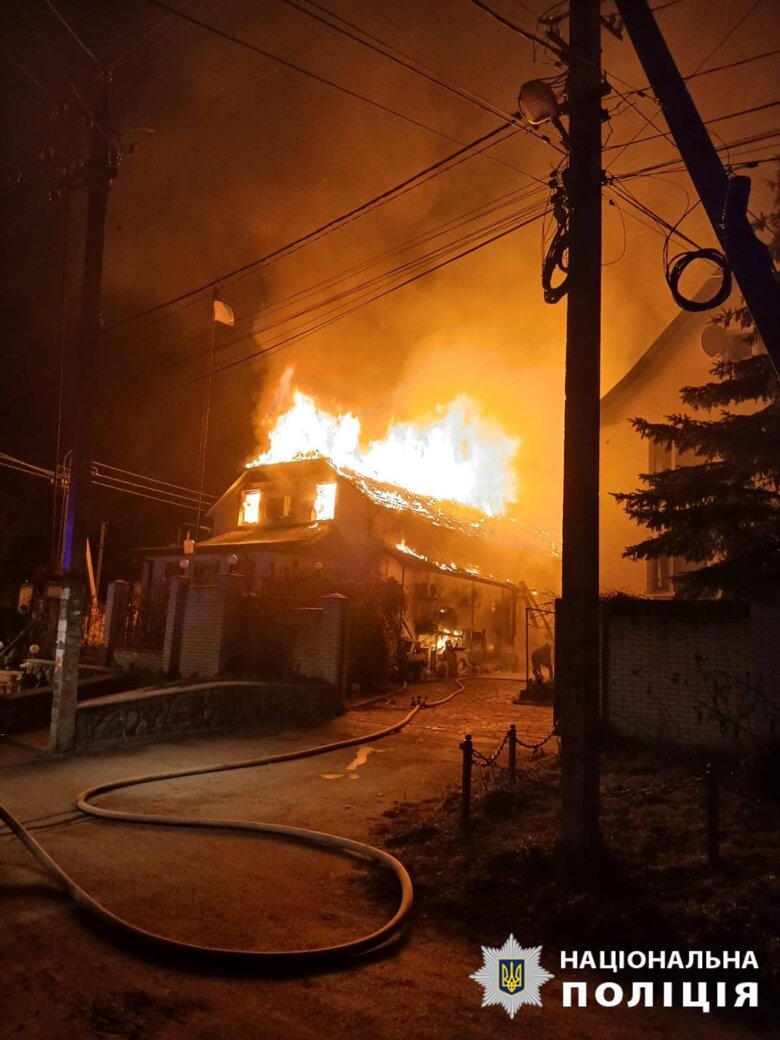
pixel 117 599
pixel 233 586
pixel 208 626
pixel 174 625
pixel 334 640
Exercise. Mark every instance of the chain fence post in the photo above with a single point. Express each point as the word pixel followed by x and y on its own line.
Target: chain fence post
pixel 512 753
pixel 713 836
pixel 465 804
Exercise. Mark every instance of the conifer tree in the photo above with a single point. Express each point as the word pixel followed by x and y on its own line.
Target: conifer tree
pixel 721 513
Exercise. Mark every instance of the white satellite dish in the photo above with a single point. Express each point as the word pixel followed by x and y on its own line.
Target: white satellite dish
pixel 715 341
pixel 719 342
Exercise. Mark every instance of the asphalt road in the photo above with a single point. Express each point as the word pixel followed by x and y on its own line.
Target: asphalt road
pixel 60 979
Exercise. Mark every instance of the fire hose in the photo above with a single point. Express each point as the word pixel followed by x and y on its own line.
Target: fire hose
pixel 225 956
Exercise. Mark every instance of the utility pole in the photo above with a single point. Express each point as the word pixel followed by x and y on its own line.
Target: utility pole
pixel 724 198
pixel 101 551
pixel 82 402
pixel 577 612
pixel 204 429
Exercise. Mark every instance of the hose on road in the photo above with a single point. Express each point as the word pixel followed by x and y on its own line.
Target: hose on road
pixel 225 956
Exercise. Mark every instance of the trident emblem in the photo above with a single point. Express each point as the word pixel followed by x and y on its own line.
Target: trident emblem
pixel 511 975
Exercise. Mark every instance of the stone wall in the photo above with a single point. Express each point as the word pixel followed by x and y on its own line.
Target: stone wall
pixel 206 707
pixel 703 674
pixel 31 709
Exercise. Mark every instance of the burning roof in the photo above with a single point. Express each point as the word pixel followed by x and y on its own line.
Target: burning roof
pixel 454 453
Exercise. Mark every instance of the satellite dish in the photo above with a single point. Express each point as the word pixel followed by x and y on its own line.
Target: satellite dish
pixel 719 342
pixel 537 102
pixel 715 341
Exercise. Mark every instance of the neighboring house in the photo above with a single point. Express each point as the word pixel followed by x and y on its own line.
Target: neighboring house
pixel 650 389
pixel 462 572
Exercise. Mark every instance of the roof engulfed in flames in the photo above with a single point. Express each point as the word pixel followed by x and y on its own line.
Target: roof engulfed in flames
pixel 455 454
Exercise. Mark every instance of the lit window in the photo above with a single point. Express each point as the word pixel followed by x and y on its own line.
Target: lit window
pixel 325 501
pixel 250 508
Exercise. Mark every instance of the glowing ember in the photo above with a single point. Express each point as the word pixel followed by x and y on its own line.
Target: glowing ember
pixel 455 453
pixel 404 548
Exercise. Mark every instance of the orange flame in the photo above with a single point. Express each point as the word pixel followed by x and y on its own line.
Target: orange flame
pixel 455 453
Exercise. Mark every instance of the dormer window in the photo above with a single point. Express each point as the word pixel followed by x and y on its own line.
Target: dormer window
pixel 278 507
pixel 249 513
pixel 325 501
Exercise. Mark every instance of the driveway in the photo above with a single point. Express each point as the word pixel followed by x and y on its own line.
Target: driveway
pixel 60 979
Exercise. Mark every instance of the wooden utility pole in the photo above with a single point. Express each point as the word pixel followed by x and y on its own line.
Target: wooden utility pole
pixel 82 402
pixel 101 551
pixel 724 198
pixel 577 620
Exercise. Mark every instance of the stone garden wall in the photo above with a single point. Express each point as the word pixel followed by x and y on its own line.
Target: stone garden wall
pixel 152 714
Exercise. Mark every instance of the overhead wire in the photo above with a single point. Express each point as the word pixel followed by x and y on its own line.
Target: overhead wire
pixel 423 238
pixel 319 78
pixel 339 24
pixel 63 21
pixel 308 330
pixel 326 312
pixel 362 302
pixel 420 177
pixel 27 74
pixel 753 7
pixel 58 64
pixel 143 486
pixel 635 140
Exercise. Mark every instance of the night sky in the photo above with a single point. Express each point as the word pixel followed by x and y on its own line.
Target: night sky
pixel 236 155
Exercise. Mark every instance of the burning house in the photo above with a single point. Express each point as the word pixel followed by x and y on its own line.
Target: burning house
pixel 313 501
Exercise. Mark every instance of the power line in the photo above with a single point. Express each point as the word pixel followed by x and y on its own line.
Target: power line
pixel 715 68
pixel 71 30
pixel 295 337
pixel 440 166
pixel 671 229
pixel 511 198
pixel 708 122
pixel 755 140
pixel 454 224
pixel 729 34
pixel 240 42
pixel 379 46
pixel 27 74
pixel 509 24
pixel 143 487
pixel 63 71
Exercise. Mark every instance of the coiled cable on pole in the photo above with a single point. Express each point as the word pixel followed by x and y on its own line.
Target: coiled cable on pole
pixel 556 258
pixel 675 267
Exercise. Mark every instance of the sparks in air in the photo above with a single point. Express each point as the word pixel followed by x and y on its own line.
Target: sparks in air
pixel 455 453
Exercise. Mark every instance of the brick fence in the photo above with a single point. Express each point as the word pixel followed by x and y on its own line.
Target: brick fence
pixel 202 625
pixel 701 674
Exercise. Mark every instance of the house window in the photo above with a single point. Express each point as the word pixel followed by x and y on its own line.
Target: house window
pixel 661 571
pixel 278 508
pixel 250 508
pixel 325 501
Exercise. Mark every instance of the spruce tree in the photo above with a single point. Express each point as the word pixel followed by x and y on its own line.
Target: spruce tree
pixel 721 513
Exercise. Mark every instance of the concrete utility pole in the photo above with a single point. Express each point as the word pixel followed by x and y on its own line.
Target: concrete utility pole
pixel 724 198
pixel 82 401
pixel 577 621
